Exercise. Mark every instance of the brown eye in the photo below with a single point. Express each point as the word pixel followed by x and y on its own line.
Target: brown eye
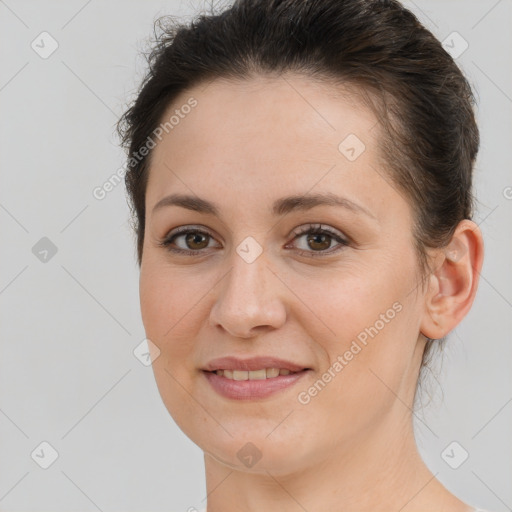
pixel 318 240
pixel 193 241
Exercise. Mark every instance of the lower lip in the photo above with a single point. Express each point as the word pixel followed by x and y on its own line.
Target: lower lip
pixel 251 389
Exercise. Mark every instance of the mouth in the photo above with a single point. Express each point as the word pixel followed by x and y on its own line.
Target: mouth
pixel 254 378
pixel 262 374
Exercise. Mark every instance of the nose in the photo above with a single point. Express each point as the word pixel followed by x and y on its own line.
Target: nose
pixel 249 300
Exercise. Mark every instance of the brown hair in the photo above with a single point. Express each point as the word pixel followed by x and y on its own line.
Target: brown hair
pixel 422 100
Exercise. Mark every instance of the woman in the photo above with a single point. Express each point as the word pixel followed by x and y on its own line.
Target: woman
pixel 300 175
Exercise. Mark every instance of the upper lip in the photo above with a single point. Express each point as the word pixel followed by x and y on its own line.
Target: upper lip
pixel 254 363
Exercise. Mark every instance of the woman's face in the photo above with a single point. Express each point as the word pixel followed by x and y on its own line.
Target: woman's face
pixel 344 308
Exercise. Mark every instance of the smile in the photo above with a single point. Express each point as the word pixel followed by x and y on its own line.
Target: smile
pixel 252 385
pixel 264 373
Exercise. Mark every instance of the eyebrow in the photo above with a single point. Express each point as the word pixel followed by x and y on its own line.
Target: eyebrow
pixel 280 207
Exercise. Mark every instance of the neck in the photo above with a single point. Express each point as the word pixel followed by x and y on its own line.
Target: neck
pixel 379 471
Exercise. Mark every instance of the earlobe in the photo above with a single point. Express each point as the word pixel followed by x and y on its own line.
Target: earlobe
pixel 454 281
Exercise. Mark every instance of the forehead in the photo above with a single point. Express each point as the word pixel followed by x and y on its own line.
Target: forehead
pixel 267 134
pixel 259 109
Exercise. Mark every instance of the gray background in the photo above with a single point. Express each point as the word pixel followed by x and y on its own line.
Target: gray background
pixel 69 324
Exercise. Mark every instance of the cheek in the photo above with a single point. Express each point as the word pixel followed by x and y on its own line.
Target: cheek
pixel 169 309
pixel 169 317
pixel 155 302
pixel 344 305
pixel 366 325
pixel 165 297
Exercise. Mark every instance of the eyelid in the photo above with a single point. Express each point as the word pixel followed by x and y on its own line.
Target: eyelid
pixel 306 228
pixel 296 231
pixel 186 228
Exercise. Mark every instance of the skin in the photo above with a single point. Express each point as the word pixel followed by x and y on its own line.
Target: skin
pixel 351 448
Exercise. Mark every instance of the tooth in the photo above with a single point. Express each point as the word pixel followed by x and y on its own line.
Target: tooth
pixel 258 374
pixel 264 373
pixel 272 372
pixel 240 375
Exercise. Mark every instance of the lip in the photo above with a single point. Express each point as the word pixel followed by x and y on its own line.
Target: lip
pixel 252 389
pixel 252 364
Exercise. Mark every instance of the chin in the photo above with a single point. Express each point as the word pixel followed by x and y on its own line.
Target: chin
pixel 254 451
pixel 248 458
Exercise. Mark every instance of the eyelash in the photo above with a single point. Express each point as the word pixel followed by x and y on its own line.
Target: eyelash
pixel 310 229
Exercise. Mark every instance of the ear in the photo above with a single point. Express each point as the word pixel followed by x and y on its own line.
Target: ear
pixel 454 281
